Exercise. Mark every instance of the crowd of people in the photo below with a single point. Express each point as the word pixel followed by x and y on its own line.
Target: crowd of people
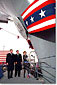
pixel 14 62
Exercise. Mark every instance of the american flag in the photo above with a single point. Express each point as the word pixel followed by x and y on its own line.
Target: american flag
pixel 3 56
pixel 39 15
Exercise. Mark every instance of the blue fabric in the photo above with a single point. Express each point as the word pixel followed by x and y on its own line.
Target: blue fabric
pixel 26 62
pixel 1 72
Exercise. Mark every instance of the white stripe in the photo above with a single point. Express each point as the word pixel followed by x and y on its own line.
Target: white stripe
pixel 33 7
pixel 2 57
pixel 49 22
pixel 2 61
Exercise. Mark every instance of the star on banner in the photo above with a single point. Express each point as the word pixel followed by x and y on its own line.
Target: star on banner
pixel 32 19
pixel 26 22
pixel 42 13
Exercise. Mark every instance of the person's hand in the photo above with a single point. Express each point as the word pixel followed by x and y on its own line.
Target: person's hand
pixel 7 63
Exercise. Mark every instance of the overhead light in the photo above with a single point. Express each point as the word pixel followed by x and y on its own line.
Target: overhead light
pixel 30 1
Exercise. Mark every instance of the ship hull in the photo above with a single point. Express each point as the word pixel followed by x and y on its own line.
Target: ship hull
pixel 45 49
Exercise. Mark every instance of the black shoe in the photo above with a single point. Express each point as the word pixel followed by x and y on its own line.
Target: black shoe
pixel 8 77
pixel 11 77
pixel 15 75
pixel 37 79
pixel 18 76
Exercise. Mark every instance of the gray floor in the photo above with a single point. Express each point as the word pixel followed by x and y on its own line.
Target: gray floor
pixel 20 80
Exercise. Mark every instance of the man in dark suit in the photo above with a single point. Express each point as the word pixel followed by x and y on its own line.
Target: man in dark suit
pixel 10 63
pixel 18 63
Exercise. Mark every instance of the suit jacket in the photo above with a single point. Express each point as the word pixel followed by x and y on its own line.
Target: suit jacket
pixel 25 57
pixel 18 59
pixel 10 61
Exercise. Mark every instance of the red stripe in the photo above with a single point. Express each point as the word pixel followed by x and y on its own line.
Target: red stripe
pixel 2 63
pixel 2 58
pixel 43 28
pixel 4 51
pixel 2 55
pixel 41 21
pixel 39 7
pixel 29 7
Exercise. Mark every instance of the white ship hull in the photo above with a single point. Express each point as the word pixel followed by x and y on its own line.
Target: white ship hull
pixel 46 52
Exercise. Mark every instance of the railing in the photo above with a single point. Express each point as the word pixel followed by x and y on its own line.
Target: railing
pixel 46 65
pixel 47 57
pixel 48 73
pixel 51 78
pixel 45 77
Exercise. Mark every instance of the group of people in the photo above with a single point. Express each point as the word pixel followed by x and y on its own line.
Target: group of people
pixel 14 62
